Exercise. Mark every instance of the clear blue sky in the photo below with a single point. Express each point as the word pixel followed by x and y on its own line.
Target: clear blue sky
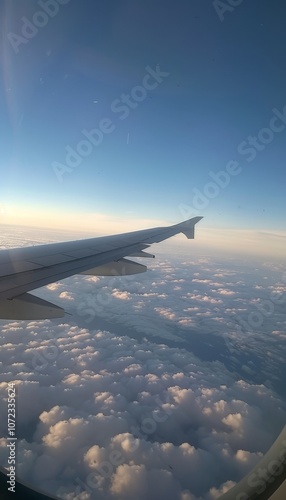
pixel 225 77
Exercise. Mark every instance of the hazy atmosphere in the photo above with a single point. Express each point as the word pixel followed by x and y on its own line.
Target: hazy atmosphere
pixel 120 116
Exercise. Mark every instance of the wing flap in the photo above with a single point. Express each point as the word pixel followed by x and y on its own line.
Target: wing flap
pixel 28 307
pixel 13 285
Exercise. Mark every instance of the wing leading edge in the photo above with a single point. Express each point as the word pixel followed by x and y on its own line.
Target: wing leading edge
pixel 25 269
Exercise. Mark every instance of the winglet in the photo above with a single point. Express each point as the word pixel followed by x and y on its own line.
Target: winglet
pixel 188 227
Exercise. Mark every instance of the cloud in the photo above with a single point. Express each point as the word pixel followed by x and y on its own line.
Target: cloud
pixel 204 298
pixel 120 295
pixel 222 291
pixel 166 313
pixel 108 410
pixel 66 295
pixel 218 492
pixel 149 390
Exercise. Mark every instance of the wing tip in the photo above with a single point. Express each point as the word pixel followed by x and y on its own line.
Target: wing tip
pixel 188 227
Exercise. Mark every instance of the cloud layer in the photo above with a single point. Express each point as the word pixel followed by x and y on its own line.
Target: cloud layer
pixel 160 386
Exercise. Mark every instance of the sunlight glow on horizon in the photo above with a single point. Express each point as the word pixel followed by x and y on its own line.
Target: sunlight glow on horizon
pixel 236 242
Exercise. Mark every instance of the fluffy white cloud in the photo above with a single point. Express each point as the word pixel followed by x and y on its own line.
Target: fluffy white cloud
pixel 150 390
pixel 109 416
pixel 66 295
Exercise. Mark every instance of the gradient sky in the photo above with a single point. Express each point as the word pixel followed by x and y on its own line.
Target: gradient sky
pixel 225 78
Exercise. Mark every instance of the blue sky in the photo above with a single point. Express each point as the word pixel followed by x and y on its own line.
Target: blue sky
pixel 224 80
pixel 157 165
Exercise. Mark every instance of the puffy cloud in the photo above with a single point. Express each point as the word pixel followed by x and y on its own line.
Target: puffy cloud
pixel 204 298
pixel 222 291
pixel 233 420
pixel 54 286
pixel 108 409
pixel 120 295
pixel 166 313
pixel 66 295
pixel 279 333
pixel 150 390
pixel 218 492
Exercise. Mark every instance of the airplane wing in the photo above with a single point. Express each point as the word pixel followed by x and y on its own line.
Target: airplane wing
pixel 25 269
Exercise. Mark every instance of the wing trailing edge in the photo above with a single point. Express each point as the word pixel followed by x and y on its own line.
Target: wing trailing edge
pixel 27 307
pixel 28 268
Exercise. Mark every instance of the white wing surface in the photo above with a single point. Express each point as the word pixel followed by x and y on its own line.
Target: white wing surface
pixel 25 269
